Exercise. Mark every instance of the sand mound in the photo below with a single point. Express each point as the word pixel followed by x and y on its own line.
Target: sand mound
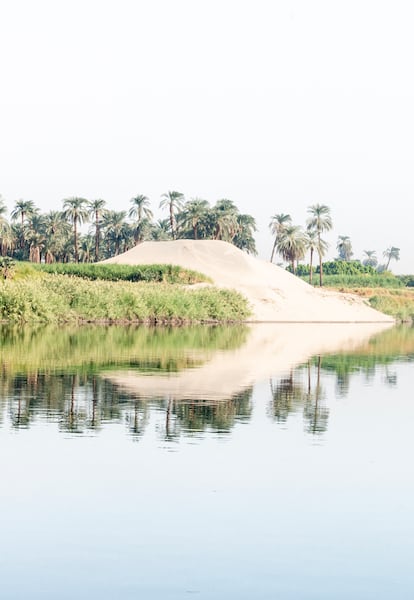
pixel 274 294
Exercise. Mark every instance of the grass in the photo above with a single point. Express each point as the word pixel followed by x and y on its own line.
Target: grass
pixel 62 299
pixel 359 281
pixel 105 272
pixel 398 303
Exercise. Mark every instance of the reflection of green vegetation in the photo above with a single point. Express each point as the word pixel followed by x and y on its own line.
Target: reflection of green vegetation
pixel 382 349
pixel 90 348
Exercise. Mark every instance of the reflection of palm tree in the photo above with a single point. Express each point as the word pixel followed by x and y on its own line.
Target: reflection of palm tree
pixel 287 396
pixel 314 412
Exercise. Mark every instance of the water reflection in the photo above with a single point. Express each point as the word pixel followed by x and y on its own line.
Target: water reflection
pixel 193 380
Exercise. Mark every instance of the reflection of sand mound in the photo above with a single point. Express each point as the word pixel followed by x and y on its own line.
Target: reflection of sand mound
pixel 275 294
pixel 269 350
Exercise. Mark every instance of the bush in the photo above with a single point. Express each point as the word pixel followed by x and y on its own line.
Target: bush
pixel 154 273
pixel 58 298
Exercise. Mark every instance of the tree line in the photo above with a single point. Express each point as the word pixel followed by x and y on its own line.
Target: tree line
pixel 56 236
pixel 292 242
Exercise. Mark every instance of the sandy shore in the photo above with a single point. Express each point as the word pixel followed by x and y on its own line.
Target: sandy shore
pixel 274 294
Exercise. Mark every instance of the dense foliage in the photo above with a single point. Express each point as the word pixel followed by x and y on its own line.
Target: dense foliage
pixel 149 273
pixel 58 298
pixel 57 236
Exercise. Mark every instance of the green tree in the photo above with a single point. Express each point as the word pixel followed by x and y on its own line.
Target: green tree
pixel 344 247
pixel 173 201
pixel 23 210
pixel 114 225
pixel 277 225
pixel 193 212
pixel 390 254
pixel 370 259
pixel 139 211
pixel 291 245
pixel 320 220
pixel 244 238
pixel 97 209
pixel 76 212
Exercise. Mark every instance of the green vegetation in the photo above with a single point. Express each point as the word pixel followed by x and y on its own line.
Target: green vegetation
pixel 152 273
pixel 57 237
pixel 58 298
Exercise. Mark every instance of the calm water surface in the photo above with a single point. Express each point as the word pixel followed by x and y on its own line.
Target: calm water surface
pixel 215 462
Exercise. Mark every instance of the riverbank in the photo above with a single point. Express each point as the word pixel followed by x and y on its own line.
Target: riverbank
pixel 46 298
pixel 398 302
pixel 274 294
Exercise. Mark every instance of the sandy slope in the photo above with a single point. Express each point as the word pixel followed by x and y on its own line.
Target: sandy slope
pixel 274 294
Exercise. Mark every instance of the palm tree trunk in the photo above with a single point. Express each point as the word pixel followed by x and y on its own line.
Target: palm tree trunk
pixel 172 222
pixel 96 237
pixel 310 267
pixel 75 239
pixel 273 250
pixel 320 271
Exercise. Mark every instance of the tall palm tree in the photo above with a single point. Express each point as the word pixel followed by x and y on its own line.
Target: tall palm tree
pixel 97 209
pixel 390 254
pixel 370 259
pixel 139 211
pixel 174 202
pixel 244 237
pixel 277 224
pixel 194 210
pixel 23 209
pixel 320 220
pixel 291 245
pixel 57 232
pixel 344 247
pixel 75 211
pixel 114 225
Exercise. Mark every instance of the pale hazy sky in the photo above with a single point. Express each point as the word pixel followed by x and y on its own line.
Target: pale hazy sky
pixel 274 104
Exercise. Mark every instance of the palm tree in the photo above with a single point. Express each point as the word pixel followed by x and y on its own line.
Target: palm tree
pixel 390 254
pixel 311 242
pixel 23 209
pixel 277 224
pixel 57 232
pixel 174 202
pixel 114 224
pixel 76 212
pixel 320 220
pixel 96 212
pixel 344 247
pixel 291 245
pixel 139 211
pixel 244 237
pixel 194 210
pixel 371 259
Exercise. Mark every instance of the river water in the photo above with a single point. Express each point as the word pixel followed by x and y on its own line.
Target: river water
pixel 256 462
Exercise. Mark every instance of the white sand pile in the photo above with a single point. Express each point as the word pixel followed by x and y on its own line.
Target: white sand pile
pixel 270 350
pixel 274 294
